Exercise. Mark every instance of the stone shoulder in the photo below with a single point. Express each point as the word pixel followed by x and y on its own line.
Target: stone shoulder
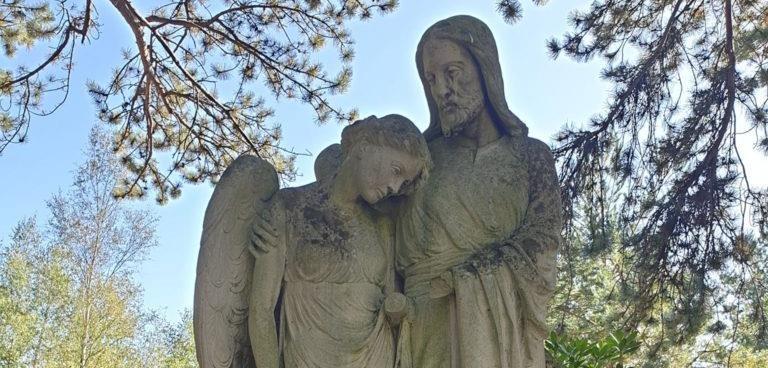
pixel 289 198
pixel 538 153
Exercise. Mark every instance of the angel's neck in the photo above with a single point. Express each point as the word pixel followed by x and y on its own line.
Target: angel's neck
pixel 342 193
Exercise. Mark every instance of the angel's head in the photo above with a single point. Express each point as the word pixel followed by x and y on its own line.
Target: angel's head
pixel 388 156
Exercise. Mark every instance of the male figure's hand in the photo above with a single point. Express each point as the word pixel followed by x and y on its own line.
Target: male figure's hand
pixel 264 235
pixel 441 286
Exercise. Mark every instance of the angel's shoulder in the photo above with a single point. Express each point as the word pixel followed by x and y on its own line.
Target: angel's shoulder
pixel 295 196
pixel 289 200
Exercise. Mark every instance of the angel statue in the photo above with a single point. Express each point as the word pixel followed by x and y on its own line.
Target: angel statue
pixel 298 277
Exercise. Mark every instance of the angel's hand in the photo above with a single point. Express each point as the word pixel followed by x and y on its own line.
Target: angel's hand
pixel 264 235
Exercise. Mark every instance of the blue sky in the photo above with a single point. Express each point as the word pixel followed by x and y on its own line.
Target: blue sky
pixel 544 93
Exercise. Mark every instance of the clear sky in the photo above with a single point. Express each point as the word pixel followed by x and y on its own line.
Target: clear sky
pixel 544 93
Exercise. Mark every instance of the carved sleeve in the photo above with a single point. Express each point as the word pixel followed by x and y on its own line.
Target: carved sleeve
pixel 531 249
pixel 540 231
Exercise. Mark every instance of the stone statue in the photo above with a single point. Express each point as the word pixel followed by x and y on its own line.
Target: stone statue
pixel 476 245
pixel 310 276
pixel 297 277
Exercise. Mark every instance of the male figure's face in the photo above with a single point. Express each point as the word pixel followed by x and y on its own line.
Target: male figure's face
pixel 454 83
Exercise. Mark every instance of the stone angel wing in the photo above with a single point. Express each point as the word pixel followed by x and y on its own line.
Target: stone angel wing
pixel 328 162
pixel 225 265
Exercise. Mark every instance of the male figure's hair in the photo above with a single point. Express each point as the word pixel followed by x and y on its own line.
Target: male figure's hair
pixel 393 131
pixel 476 38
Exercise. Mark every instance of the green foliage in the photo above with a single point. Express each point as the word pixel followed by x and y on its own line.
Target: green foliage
pixel 667 233
pixel 747 358
pixel 666 148
pixel 611 351
pixel 67 296
pixel 179 344
pixel 181 104
pixel 23 24
pixel 33 297
pixel 599 290
pixel 511 10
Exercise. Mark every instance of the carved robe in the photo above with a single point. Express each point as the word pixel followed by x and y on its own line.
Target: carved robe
pixel 335 273
pixel 490 216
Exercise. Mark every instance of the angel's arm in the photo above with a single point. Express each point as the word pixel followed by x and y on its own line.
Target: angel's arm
pixel 266 284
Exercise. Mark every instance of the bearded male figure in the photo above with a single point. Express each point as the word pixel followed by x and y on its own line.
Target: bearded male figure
pixel 476 246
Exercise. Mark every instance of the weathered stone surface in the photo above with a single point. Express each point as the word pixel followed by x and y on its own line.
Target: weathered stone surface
pixel 327 161
pixel 307 277
pixel 314 263
pixel 476 245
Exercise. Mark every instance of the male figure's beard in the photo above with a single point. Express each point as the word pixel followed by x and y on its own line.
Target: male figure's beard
pixel 456 115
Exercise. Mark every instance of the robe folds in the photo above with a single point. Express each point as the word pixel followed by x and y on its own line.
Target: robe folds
pixel 333 288
pixel 476 248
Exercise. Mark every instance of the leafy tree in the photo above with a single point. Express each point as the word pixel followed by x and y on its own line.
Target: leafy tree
pixel 105 240
pixel 33 298
pixel 165 344
pixel 182 104
pixel 611 351
pixel 179 344
pixel 67 297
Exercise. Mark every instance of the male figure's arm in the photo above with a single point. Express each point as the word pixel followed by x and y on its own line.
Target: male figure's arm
pixel 532 247
pixel 540 232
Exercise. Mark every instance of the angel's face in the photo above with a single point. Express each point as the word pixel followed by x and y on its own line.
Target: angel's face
pixel 384 171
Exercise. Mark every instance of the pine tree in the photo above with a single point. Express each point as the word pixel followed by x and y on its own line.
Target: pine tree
pixel 689 97
pixel 598 293
pixel 173 122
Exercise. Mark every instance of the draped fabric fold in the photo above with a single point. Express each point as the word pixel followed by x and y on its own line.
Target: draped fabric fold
pixel 498 247
pixel 335 326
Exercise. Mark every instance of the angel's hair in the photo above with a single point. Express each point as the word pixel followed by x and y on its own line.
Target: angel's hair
pixel 393 131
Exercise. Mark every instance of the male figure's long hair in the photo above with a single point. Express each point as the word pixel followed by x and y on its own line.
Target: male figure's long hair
pixel 474 36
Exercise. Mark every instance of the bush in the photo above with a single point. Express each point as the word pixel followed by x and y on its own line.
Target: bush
pixel 608 352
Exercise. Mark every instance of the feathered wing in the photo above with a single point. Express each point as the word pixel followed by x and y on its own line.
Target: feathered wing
pixel 225 265
pixel 328 162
